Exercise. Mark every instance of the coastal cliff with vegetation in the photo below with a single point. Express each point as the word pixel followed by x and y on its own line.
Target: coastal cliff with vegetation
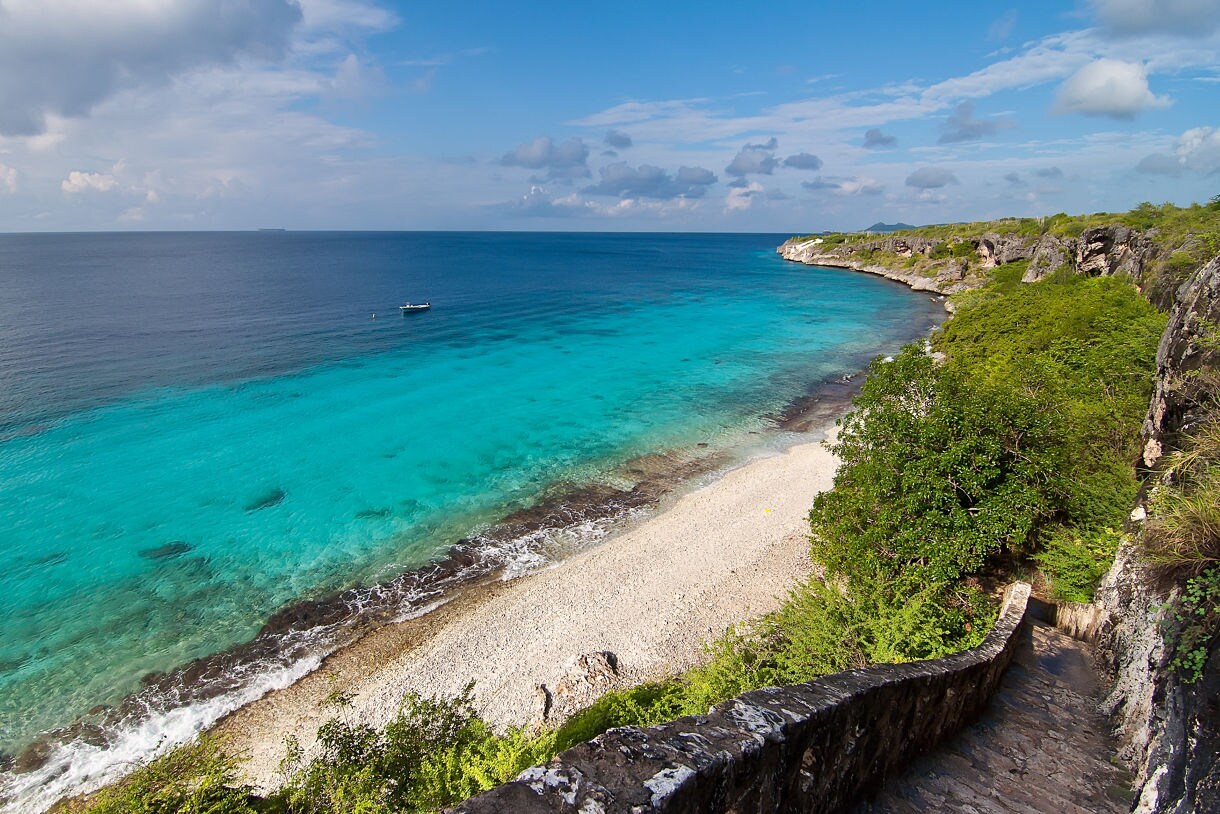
pixel 1154 247
pixel 1154 579
pixel 1061 427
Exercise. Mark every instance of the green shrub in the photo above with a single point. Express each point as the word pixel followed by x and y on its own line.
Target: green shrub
pixel 1183 529
pixel 1030 424
pixel 938 474
pixel 436 752
pixel 642 705
pixel 1075 562
pixel 198 778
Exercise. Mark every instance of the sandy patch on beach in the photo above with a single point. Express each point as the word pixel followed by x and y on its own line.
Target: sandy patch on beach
pixel 651 595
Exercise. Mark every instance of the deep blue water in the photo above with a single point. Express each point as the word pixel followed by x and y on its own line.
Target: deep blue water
pixel 197 429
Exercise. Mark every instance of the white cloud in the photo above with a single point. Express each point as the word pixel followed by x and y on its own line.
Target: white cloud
pixel 8 178
pixel 64 57
pixel 1044 61
pixel 1003 26
pixel 963 126
pixel 740 198
pixel 874 139
pixel 803 161
pixel 931 178
pixel 1197 151
pixel 1196 18
pixel 1108 87
pixel 332 15
pixel 647 181
pixel 756 159
pixel 845 187
pixel 617 139
pixel 78 181
pixel 561 160
pixel 860 186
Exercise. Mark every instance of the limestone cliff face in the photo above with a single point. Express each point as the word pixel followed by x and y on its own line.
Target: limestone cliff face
pixel 948 279
pixel 1101 251
pixel 1169 730
pixel 1184 360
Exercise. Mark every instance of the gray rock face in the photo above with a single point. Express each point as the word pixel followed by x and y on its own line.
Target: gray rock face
pixel 1186 366
pixel 1169 731
pixel 1100 251
pixel 994 249
pixel 1049 256
pixel 805 748
pixel 1114 251
pixel 947 280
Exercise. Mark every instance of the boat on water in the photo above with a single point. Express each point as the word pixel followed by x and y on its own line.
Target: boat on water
pixel 412 307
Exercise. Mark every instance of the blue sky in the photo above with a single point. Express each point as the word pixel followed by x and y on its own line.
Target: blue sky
pixel 349 114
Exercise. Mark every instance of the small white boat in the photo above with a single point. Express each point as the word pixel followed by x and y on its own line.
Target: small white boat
pixel 412 307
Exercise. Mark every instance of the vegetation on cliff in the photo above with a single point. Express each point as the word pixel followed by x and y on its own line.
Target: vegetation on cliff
pixel 1157 246
pixel 1019 445
pixel 1182 541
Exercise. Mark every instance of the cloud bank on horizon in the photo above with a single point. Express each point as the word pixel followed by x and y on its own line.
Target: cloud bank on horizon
pixel 188 114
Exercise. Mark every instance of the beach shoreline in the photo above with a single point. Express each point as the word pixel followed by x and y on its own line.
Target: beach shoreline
pixel 651 595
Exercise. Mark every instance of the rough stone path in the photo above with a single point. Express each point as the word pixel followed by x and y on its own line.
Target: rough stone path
pixel 1041 746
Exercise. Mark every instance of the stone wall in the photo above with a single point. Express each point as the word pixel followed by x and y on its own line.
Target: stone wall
pixel 803 748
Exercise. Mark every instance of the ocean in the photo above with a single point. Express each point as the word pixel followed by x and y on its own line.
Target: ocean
pixel 222 454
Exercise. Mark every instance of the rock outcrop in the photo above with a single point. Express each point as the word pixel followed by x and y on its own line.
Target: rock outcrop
pixel 948 279
pixel 587 678
pixel 1168 728
pixel 1101 251
pixel 1187 359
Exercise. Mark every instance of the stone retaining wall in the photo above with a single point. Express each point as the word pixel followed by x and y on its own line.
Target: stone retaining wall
pixel 803 748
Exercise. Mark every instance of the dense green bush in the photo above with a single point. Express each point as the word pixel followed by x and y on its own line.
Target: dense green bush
pixel 1074 562
pixel 1030 424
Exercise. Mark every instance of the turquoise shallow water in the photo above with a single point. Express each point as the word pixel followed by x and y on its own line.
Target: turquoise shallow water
pixel 230 432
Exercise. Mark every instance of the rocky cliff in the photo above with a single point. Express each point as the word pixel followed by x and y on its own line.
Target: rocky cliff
pixel 1168 725
pixel 951 264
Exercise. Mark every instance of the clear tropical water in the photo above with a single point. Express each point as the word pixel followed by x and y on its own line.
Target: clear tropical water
pixel 197 429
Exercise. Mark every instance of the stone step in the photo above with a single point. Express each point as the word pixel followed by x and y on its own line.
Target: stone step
pixel 1041 746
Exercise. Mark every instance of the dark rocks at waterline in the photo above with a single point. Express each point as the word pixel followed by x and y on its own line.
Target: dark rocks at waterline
pixel 819 408
pixel 171 549
pixel 39 753
pixel 267 500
